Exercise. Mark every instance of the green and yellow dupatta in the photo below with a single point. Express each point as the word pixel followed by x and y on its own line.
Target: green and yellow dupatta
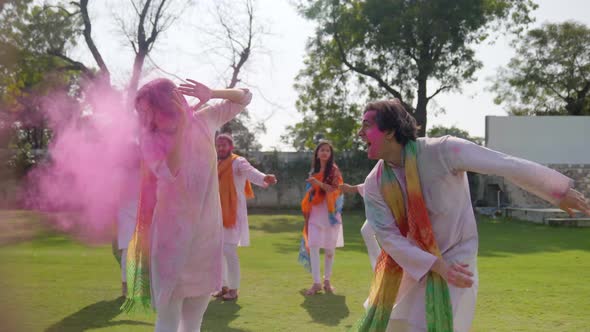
pixel 138 252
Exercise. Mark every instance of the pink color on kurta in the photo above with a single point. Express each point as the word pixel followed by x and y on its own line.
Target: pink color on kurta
pixel 442 166
pixel 242 171
pixel 186 243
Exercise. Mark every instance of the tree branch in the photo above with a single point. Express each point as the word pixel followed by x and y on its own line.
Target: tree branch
pixel 74 65
pixel 61 8
pixel 364 71
pixel 155 29
pixel 141 39
pixel 439 90
pixel 90 42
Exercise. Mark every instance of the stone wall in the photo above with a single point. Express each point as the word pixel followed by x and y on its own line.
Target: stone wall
pixel 484 191
pixel 292 168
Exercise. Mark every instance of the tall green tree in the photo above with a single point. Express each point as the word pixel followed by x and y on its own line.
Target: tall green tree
pixel 438 131
pixel 550 74
pixel 407 49
pixel 36 43
pixel 29 73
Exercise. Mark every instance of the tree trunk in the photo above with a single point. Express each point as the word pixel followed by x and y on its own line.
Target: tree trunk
pixel 420 113
pixel 134 81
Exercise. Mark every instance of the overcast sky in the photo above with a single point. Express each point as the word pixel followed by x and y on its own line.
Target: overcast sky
pixel 187 50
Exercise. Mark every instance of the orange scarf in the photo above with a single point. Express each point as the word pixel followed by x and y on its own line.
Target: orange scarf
pixel 227 191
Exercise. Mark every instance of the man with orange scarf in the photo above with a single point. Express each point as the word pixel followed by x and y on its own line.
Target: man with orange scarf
pixel 418 203
pixel 235 177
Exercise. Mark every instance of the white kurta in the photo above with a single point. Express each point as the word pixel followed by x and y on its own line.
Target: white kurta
pixel 242 171
pixel 322 234
pixel 442 166
pixel 127 213
pixel 186 243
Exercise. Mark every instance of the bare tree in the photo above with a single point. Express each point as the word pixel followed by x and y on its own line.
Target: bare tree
pixel 239 38
pixel 150 19
pixel 240 35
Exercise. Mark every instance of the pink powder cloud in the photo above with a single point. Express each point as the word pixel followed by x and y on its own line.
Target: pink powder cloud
pixel 90 159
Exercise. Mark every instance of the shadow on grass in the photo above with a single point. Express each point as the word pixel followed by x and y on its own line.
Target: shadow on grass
pixel 505 237
pixel 219 314
pixel 326 309
pixel 278 224
pixel 94 316
pixel 497 238
pixel 352 240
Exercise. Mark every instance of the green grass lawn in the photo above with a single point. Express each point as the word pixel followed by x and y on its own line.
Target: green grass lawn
pixel 532 278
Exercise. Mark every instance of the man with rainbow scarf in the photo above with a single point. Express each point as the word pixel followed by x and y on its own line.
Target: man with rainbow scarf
pixel 418 203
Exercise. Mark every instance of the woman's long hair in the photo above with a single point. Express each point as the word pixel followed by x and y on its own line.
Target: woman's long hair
pixel 159 95
pixel 316 164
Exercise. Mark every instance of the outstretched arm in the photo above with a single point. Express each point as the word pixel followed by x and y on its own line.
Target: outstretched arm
pixel 253 175
pixel 353 189
pixel 548 184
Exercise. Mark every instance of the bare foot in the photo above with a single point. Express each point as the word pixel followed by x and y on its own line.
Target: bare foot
pixel 222 292
pixel 328 287
pixel 315 288
pixel 231 295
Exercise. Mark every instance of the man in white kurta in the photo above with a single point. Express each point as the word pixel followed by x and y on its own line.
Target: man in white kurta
pixel 239 234
pixel 442 166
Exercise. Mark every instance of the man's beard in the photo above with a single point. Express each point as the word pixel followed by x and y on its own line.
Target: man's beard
pixel 223 157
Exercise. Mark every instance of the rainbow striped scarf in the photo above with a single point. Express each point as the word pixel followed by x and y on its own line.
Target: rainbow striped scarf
pixel 314 196
pixel 138 252
pixel 414 223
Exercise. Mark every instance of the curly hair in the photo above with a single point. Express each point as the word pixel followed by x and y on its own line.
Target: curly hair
pixel 391 115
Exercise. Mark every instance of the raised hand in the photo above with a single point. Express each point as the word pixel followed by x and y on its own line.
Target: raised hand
pixel 196 89
pixel 324 186
pixel 573 199
pixel 311 180
pixel 270 179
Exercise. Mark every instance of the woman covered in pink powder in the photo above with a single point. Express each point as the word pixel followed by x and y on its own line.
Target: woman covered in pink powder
pixel 174 259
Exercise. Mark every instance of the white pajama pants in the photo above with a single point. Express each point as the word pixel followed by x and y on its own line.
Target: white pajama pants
pixel 231 266
pixel 124 265
pixel 182 315
pixel 314 256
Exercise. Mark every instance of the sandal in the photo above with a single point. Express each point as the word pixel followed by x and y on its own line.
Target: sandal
pixel 231 295
pixel 315 288
pixel 328 287
pixel 221 293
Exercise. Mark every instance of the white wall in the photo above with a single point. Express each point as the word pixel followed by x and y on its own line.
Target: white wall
pixel 544 139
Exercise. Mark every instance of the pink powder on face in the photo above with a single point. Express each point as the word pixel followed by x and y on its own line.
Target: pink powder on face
pixel 374 136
